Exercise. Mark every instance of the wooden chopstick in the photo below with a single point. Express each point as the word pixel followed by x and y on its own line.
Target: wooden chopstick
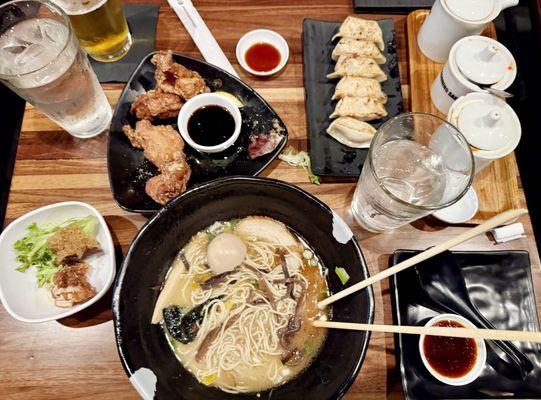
pixel 490 334
pixel 493 222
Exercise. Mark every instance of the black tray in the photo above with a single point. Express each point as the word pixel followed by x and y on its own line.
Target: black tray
pixel 401 6
pixel 129 170
pixel 328 157
pixel 500 286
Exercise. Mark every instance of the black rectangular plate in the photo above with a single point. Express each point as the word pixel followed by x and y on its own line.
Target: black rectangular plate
pixel 401 6
pixel 330 158
pixel 500 286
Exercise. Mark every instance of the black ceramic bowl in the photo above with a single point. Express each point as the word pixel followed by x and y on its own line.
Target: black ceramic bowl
pixel 143 349
pixel 129 170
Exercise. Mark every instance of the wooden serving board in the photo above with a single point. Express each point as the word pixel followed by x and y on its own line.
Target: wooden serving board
pixel 497 184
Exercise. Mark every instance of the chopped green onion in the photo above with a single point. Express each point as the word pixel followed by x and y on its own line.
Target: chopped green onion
pixel 210 236
pixel 313 262
pixel 309 350
pixel 173 342
pixel 325 292
pixel 307 254
pixel 342 274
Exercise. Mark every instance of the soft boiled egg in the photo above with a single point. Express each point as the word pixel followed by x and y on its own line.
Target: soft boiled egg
pixel 225 252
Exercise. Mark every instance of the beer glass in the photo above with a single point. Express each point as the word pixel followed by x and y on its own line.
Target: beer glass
pixel 40 60
pixel 100 26
pixel 417 164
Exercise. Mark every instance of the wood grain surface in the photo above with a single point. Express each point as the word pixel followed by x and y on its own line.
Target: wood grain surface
pixel 76 358
pixel 496 185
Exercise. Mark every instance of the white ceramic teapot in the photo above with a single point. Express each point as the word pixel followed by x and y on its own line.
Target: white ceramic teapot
pixel 451 20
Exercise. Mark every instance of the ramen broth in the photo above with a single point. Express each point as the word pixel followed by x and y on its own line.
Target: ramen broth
pixel 246 310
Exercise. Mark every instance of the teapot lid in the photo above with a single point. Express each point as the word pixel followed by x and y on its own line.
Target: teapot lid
pixel 482 62
pixel 471 10
pixel 487 122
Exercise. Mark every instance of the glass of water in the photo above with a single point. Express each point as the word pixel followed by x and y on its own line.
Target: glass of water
pixel 40 60
pixel 417 164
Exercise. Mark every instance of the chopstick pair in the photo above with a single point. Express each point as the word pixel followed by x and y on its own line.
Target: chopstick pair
pixel 490 334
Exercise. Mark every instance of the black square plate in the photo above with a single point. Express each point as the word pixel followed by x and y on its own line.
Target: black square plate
pixel 128 168
pixel 500 286
pixel 328 157
pixel 400 6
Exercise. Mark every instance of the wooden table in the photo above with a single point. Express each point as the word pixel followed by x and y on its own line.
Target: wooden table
pixel 77 357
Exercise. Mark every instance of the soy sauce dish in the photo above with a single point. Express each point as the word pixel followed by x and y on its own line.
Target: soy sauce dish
pixel 453 361
pixel 210 123
pixel 262 52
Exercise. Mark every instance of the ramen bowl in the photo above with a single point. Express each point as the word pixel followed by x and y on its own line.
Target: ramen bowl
pixel 151 365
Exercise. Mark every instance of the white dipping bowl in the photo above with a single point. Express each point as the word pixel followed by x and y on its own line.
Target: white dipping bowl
pixel 19 291
pixel 474 373
pixel 202 100
pixel 461 211
pixel 262 36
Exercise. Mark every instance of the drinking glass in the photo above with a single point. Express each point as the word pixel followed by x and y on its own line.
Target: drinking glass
pixel 40 60
pixel 417 164
pixel 100 26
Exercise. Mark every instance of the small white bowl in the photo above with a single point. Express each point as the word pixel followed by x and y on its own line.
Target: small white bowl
pixel 462 211
pixel 202 100
pixel 262 36
pixel 19 291
pixel 479 362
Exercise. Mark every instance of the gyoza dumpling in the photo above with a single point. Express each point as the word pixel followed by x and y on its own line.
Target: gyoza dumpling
pixel 359 87
pixel 360 108
pixel 352 132
pixel 357 67
pixel 358 28
pixel 354 47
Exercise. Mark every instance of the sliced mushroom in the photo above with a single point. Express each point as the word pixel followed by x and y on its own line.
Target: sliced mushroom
pixel 206 342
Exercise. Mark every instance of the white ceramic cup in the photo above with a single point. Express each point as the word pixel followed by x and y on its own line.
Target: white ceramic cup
pixel 202 100
pixel 480 361
pixel 442 27
pixel 451 83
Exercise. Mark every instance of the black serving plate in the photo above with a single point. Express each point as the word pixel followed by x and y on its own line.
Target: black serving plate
pixel 328 157
pixel 143 349
pixel 390 6
pixel 129 170
pixel 500 286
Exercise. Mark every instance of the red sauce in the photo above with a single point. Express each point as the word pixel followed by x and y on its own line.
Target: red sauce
pixel 449 356
pixel 262 57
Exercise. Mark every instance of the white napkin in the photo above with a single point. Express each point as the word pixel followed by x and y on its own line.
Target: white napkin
pixel 509 232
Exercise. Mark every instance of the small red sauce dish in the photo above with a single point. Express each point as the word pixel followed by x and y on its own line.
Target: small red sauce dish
pixel 262 52
pixel 453 361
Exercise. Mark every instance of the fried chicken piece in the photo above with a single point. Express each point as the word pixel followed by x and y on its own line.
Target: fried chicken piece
pixel 172 77
pixel 156 105
pixel 163 147
pixel 71 285
pixel 71 244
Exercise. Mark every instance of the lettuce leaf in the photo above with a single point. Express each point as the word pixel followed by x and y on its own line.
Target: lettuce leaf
pixel 32 249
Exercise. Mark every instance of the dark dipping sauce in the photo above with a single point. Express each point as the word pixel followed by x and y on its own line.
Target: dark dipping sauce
pixel 262 57
pixel 211 125
pixel 449 356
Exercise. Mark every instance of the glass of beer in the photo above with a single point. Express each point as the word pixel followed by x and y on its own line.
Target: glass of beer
pixel 100 26
pixel 41 60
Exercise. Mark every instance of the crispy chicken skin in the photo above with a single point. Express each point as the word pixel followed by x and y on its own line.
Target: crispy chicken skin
pixel 71 285
pixel 163 147
pixel 172 77
pixel 156 105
